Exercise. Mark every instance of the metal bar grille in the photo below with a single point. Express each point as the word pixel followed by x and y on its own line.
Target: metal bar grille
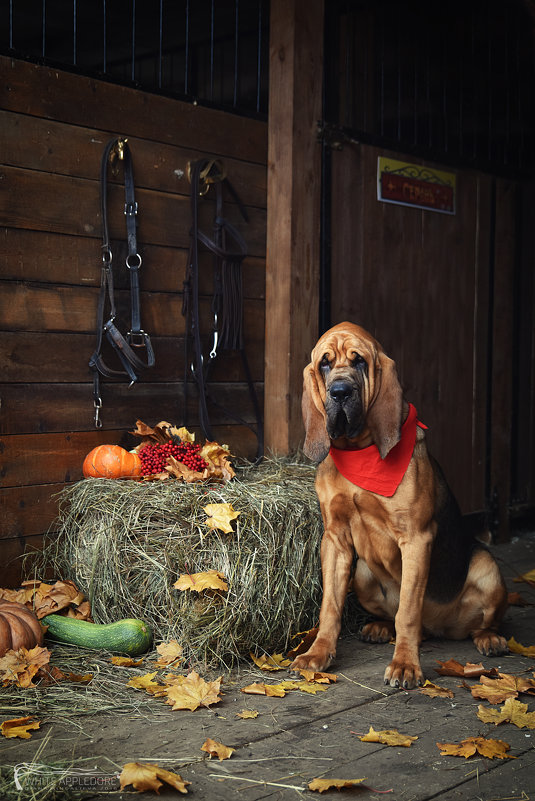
pixel 210 51
pixel 451 82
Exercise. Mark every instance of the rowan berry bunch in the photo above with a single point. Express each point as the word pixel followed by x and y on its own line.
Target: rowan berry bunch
pixel 154 456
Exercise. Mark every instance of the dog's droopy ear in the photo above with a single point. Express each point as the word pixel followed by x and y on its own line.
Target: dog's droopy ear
pixel 317 440
pixel 385 413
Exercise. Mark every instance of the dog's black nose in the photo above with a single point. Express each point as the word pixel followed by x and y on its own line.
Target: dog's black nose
pixel 340 391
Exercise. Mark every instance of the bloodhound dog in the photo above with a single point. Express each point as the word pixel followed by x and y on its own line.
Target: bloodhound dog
pixel 417 570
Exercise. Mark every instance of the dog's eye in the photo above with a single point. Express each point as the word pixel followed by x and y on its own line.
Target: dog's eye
pixel 357 360
pixel 325 363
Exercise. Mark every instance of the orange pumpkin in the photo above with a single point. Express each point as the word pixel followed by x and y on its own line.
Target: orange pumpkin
pixel 19 627
pixel 111 461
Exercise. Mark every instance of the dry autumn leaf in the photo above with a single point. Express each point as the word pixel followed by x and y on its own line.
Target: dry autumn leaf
pixel 270 662
pixel 19 727
pixel 52 598
pixel 20 667
pixel 468 671
pixel 387 737
pixel 79 678
pixel 194 692
pixel 322 785
pixel 271 690
pixel 516 648
pixel 217 458
pixel 320 678
pixel 147 777
pixel 169 652
pixel 515 599
pixel 496 691
pixel 528 577
pixel 435 691
pixel 209 580
pixel 219 516
pixel 512 711
pixel 247 714
pixel 145 682
pixel 492 749
pixel 214 748
pixel 126 661
pixel 307 638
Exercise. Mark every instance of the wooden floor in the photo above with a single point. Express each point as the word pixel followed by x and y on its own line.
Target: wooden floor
pixel 300 737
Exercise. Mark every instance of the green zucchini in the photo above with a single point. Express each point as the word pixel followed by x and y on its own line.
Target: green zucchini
pixel 128 636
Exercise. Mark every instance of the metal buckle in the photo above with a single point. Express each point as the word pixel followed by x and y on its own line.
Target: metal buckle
pixel 137 339
pixel 130 209
pixel 133 266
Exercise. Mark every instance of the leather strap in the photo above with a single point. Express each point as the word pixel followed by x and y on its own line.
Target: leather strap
pixel 123 346
pixel 229 250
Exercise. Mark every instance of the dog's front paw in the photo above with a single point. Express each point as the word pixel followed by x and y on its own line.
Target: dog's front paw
pixel 489 643
pixel 318 657
pixel 404 674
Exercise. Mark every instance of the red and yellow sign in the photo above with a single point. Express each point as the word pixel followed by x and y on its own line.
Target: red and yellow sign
pixel 413 185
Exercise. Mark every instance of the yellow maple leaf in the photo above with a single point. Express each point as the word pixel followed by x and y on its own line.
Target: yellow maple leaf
pixel 126 661
pixel 388 737
pixel 496 691
pixel 512 711
pixel 435 691
pixel 320 678
pixel 194 692
pixel 145 682
pixel 19 727
pixel 214 748
pixel 217 457
pixel 466 748
pixel 267 662
pixel 322 785
pixel 147 777
pixel 311 687
pixel 517 648
pixel 258 688
pixel 247 714
pixel 219 516
pixel 528 577
pixel 169 652
pixel 209 580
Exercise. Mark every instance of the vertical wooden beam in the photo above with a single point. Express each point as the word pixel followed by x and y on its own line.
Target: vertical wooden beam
pixel 293 220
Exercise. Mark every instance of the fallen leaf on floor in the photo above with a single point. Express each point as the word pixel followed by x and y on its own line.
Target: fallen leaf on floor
pixel 247 714
pixel 194 692
pixel 496 691
pixel 80 678
pixel 492 749
pixel 528 577
pixel 169 652
pixel 512 711
pixel 20 667
pixel 515 599
pixel 214 748
pixel 19 727
pixel 259 688
pixel 147 777
pixel 320 678
pixel 435 691
pixel 307 638
pixel 145 682
pixel 517 648
pixel 387 737
pixel 322 785
pixel 126 661
pixel 468 671
pixel 209 580
pixel 267 662
pixel 219 516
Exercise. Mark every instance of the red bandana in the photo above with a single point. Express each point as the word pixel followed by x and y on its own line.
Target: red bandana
pixel 366 469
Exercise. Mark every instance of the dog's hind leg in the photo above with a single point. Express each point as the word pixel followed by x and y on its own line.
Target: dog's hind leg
pixel 487 589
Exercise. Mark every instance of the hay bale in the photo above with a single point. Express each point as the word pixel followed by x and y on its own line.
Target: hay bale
pixel 124 544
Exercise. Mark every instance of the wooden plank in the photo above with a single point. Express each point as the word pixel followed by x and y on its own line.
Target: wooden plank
pixel 50 146
pixel 61 259
pixel 26 356
pixel 292 254
pixel 40 408
pixel 53 94
pixel 25 511
pixel 163 219
pixel 13 550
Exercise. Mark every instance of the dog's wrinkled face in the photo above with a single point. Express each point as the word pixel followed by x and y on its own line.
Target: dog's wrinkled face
pixel 345 374
pixel 350 387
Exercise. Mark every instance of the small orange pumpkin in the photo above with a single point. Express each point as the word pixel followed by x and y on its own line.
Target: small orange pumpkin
pixel 19 627
pixel 111 461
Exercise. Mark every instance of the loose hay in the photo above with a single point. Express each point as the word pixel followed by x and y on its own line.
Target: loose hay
pixel 124 543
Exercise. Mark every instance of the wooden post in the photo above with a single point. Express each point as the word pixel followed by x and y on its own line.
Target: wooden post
pixel 293 220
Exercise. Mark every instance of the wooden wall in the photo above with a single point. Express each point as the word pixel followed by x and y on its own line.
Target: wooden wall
pixel 53 129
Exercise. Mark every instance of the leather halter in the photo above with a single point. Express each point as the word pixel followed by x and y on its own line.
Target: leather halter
pixel 136 337
pixel 229 250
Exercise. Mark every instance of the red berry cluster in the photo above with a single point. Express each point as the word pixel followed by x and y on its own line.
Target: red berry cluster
pixel 154 457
